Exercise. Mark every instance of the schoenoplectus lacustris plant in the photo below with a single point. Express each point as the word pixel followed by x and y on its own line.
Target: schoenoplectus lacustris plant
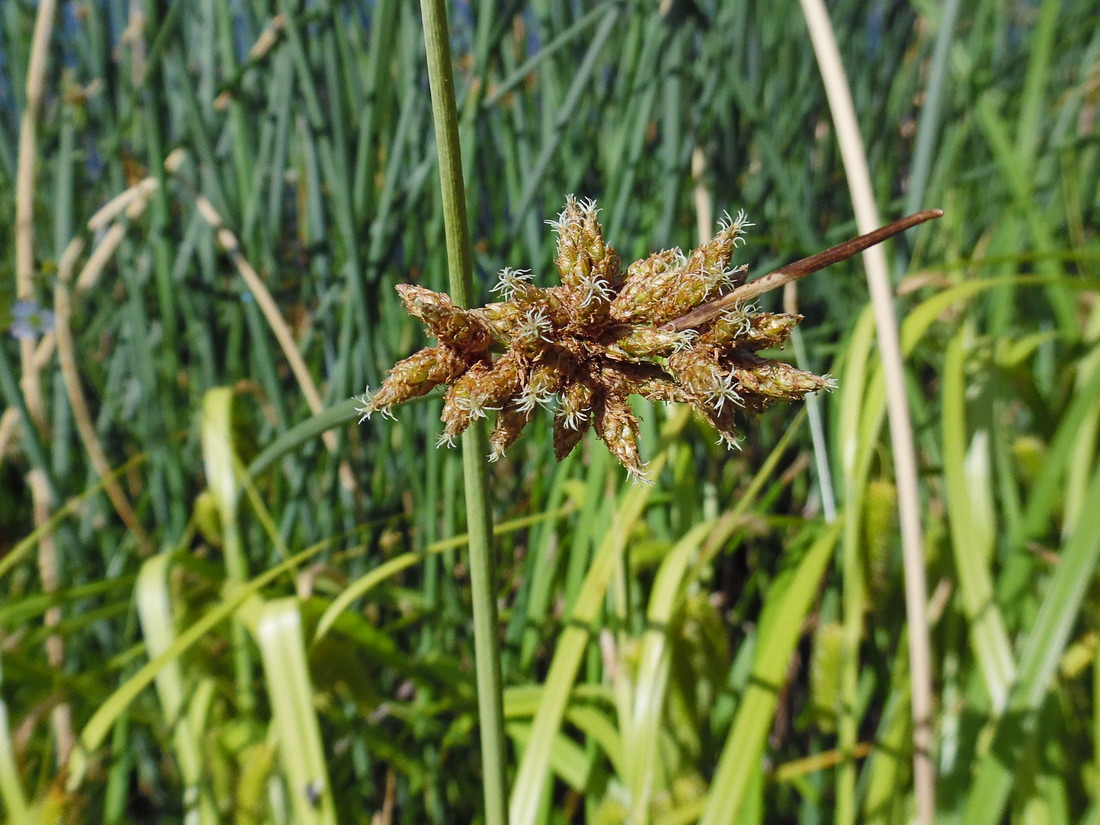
pixel 672 327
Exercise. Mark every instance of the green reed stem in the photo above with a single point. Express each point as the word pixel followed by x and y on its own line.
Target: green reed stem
pixel 475 441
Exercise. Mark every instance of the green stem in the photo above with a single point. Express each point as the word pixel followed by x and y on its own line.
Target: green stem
pixel 475 441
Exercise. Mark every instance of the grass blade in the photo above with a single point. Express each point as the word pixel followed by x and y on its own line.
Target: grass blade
pixel 277 627
pixel 1039 657
pixel 780 628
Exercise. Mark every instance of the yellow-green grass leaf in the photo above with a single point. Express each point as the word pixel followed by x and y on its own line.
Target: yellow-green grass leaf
pixel 887 767
pixel 216 432
pixel 1038 660
pixel 11 786
pixel 107 714
pixel 825 673
pixel 368 581
pixel 643 728
pixel 154 606
pixel 584 713
pixel 277 627
pixel 531 777
pixel 789 600
pixel 567 759
pixel 970 513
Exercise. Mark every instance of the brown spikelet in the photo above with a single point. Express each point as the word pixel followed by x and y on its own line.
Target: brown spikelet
pixel 647 284
pixel 509 426
pixel 617 427
pixel 453 326
pixel 769 330
pixel 577 400
pixel 629 342
pixel 567 437
pixel 775 379
pixel 583 347
pixel 416 375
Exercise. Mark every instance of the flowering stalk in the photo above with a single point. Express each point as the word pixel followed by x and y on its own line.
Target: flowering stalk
pixel 462 344
pixel 671 327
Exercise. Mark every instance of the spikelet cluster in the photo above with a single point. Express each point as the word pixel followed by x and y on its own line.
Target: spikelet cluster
pixel 582 348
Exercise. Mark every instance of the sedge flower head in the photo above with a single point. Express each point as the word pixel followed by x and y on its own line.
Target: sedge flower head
pixel 582 348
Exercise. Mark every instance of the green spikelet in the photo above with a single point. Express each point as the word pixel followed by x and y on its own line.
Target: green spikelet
pixel 880 508
pixel 825 669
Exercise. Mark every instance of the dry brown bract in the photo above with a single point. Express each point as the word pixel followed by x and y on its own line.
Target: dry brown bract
pixel 582 348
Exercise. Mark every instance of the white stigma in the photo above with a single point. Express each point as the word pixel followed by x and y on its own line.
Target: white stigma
pixel 596 286
pixel 726 392
pixel 512 281
pixel 534 325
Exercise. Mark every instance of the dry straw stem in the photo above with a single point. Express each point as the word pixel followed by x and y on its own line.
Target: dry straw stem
pixel 701 196
pixel 125 207
pixel 901 431
pixel 30 381
pixel 108 244
pixel 8 422
pixel 268 306
pixel 66 353
pixel 270 309
pixel 24 196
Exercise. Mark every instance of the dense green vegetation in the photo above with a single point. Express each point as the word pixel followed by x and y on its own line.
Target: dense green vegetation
pixel 224 600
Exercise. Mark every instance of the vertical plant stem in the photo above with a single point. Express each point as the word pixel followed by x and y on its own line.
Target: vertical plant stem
pixel 48 565
pixel 24 196
pixel 70 373
pixel 475 441
pixel 901 431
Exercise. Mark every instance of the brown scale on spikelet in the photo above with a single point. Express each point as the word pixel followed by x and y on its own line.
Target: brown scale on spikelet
pixel 416 375
pixel 453 326
pixel 509 426
pixel 774 379
pixel 617 426
pixel 566 437
pixel 582 348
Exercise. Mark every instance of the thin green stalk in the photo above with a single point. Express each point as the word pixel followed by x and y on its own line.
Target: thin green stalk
pixel 475 441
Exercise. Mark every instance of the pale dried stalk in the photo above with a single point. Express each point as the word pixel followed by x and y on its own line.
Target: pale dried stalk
pixel 8 422
pixel 270 310
pixel 901 430
pixel 700 194
pixel 66 354
pixel 119 203
pixel 43 355
pixel 30 382
pixel 268 307
pixel 24 198
pixel 102 253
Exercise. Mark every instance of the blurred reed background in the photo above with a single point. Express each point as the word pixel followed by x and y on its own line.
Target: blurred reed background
pixel 204 559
